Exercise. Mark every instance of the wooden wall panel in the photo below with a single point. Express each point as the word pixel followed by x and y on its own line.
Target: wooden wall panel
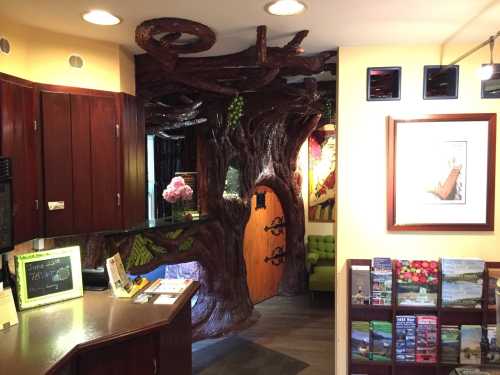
pixel 82 168
pixel 104 156
pixel 18 141
pixel 133 143
pixel 140 199
pixel 58 170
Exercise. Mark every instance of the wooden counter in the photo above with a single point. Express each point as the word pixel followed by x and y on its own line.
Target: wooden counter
pixel 99 334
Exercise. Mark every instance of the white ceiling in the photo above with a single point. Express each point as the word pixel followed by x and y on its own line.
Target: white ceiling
pixel 332 23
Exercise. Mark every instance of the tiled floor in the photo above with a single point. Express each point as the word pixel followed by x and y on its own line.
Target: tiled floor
pixel 295 327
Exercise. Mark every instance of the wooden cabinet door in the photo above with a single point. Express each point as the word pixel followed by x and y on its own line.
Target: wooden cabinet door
pixel 58 167
pixel 82 168
pixel 19 142
pixel 133 142
pixel 132 356
pixel 106 197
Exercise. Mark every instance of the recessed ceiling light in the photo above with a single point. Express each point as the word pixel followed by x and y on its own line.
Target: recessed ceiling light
pixel 285 7
pixel 101 17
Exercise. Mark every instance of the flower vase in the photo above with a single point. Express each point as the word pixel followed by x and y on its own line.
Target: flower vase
pixel 178 211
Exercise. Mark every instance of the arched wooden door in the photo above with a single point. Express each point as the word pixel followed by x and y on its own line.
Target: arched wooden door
pixel 265 240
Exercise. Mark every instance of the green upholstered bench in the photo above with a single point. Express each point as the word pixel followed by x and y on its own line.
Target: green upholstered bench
pixel 320 262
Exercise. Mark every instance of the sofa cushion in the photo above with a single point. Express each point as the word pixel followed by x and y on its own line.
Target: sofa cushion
pixel 322 279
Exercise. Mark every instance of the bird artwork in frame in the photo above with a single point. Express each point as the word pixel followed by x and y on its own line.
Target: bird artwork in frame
pixel 322 173
pixel 441 172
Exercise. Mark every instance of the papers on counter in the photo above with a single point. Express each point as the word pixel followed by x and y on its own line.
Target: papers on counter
pixel 166 299
pixel 8 313
pixel 168 286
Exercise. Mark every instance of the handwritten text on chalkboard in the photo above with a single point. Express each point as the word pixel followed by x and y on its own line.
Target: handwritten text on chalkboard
pixel 48 276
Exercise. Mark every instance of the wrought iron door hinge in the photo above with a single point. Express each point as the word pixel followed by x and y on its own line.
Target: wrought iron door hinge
pixel 277 226
pixel 277 257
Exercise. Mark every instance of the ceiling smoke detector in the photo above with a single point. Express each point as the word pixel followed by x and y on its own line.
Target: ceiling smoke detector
pixel 285 7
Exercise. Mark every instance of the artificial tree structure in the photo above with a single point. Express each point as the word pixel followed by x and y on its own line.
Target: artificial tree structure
pixel 262 141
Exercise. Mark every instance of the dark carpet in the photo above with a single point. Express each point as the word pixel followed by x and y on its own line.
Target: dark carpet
pixel 237 356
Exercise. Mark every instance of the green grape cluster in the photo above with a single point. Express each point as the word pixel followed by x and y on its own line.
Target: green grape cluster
pixel 235 111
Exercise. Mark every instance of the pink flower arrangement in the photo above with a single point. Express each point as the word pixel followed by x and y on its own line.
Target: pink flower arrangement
pixel 177 190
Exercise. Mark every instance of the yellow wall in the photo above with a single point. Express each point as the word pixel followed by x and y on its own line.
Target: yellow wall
pixel 311 227
pixel 362 149
pixel 42 56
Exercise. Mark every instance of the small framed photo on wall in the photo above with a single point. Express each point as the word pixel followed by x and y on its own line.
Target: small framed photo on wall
pixel 383 84
pixel 441 82
pixel 490 88
pixel 441 173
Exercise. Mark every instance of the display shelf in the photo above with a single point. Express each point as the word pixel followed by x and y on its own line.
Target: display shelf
pixel 416 310
pixel 446 315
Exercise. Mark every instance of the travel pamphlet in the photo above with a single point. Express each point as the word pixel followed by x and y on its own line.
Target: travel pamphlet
pixel 360 340
pixel 426 351
pixel 493 277
pixel 381 335
pixel 417 282
pixel 493 354
pixel 122 285
pixel 381 274
pixel 450 343
pixel 406 329
pixel 462 284
pixel 360 292
pixel 470 344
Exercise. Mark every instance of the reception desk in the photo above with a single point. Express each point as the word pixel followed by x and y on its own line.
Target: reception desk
pixel 99 334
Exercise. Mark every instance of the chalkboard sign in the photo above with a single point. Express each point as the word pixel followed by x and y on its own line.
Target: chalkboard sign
pixel 48 276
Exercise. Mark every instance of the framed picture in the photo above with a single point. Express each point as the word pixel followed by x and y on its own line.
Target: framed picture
pixel 45 277
pixel 441 82
pixel 322 175
pixel 490 88
pixel 383 84
pixel 441 173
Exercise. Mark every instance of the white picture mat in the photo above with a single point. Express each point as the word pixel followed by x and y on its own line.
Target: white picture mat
pixel 418 152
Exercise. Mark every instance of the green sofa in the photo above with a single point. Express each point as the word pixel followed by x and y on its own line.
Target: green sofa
pixel 320 263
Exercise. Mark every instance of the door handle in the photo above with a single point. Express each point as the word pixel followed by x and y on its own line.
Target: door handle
pixel 155 367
